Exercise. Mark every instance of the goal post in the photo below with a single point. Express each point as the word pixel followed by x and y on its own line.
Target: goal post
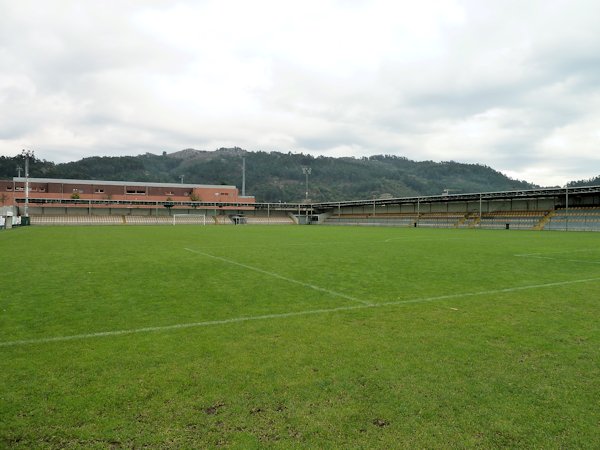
pixel 189 219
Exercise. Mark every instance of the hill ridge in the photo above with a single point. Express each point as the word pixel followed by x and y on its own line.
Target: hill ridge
pixel 276 176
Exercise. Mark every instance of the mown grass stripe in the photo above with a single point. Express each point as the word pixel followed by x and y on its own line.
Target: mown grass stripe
pixel 289 314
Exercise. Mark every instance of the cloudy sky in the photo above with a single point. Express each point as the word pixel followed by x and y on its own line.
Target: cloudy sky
pixel 511 84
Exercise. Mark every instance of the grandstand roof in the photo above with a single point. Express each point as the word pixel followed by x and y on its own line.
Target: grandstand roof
pixel 525 193
pixel 120 183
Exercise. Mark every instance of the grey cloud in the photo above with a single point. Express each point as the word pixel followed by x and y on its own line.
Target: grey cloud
pixel 86 78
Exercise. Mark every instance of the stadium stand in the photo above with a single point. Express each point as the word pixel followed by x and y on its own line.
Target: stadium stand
pixel 519 220
pixel 440 220
pixel 392 220
pixel 574 219
pixel 223 220
pixel 75 220
pixel 147 220
pixel 470 220
pixel 274 220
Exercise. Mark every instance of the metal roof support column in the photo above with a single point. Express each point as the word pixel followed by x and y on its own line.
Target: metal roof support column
pixel 479 210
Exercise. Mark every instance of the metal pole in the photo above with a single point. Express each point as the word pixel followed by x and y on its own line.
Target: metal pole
pixel 306 171
pixel 243 176
pixel 306 187
pixel 27 154
pixel 566 207
pixel 479 210
pixel 27 186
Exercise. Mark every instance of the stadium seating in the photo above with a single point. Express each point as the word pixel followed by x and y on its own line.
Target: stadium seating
pixel 575 219
pixel 75 220
pixel 223 220
pixel 273 220
pixel 440 220
pixel 518 220
pixel 392 220
pixel 148 220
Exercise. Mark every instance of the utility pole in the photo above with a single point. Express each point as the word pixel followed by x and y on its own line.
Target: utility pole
pixel 181 177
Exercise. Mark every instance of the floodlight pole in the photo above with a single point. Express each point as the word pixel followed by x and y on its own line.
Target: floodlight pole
pixel 306 171
pixel 243 176
pixel 27 154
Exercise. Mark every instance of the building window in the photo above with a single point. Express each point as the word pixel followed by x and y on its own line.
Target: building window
pixel 135 192
pixel 99 191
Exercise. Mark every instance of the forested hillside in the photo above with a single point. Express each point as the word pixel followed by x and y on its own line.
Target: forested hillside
pixel 595 181
pixel 275 176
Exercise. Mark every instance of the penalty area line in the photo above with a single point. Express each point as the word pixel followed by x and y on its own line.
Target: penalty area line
pixel 288 314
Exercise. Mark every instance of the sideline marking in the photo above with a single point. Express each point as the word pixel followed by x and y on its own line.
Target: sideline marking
pixel 281 277
pixel 284 315
pixel 406 238
pixel 535 256
pixel 559 252
pixel 329 242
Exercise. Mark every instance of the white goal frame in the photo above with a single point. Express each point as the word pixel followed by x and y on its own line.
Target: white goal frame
pixel 189 219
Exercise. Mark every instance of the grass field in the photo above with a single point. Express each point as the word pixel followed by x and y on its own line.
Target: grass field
pixel 320 337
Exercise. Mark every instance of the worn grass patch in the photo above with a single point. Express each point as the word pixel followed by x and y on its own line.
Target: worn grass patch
pixel 285 337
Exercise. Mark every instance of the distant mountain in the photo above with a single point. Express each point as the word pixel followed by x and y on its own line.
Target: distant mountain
pixel 276 176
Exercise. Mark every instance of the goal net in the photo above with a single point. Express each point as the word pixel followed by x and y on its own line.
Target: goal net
pixel 189 219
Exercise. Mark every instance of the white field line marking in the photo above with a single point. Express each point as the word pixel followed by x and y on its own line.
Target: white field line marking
pixel 558 253
pixel 281 277
pixel 320 244
pixel 408 238
pixel 288 314
pixel 559 259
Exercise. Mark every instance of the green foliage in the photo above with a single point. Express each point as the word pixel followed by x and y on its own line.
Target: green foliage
pixel 465 344
pixel 594 181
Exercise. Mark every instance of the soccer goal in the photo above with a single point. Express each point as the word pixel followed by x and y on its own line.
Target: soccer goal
pixel 189 219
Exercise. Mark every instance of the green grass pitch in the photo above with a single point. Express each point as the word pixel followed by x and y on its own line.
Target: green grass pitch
pixel 301 337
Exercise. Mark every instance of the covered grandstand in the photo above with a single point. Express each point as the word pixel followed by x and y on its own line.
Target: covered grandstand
pixel 85 202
